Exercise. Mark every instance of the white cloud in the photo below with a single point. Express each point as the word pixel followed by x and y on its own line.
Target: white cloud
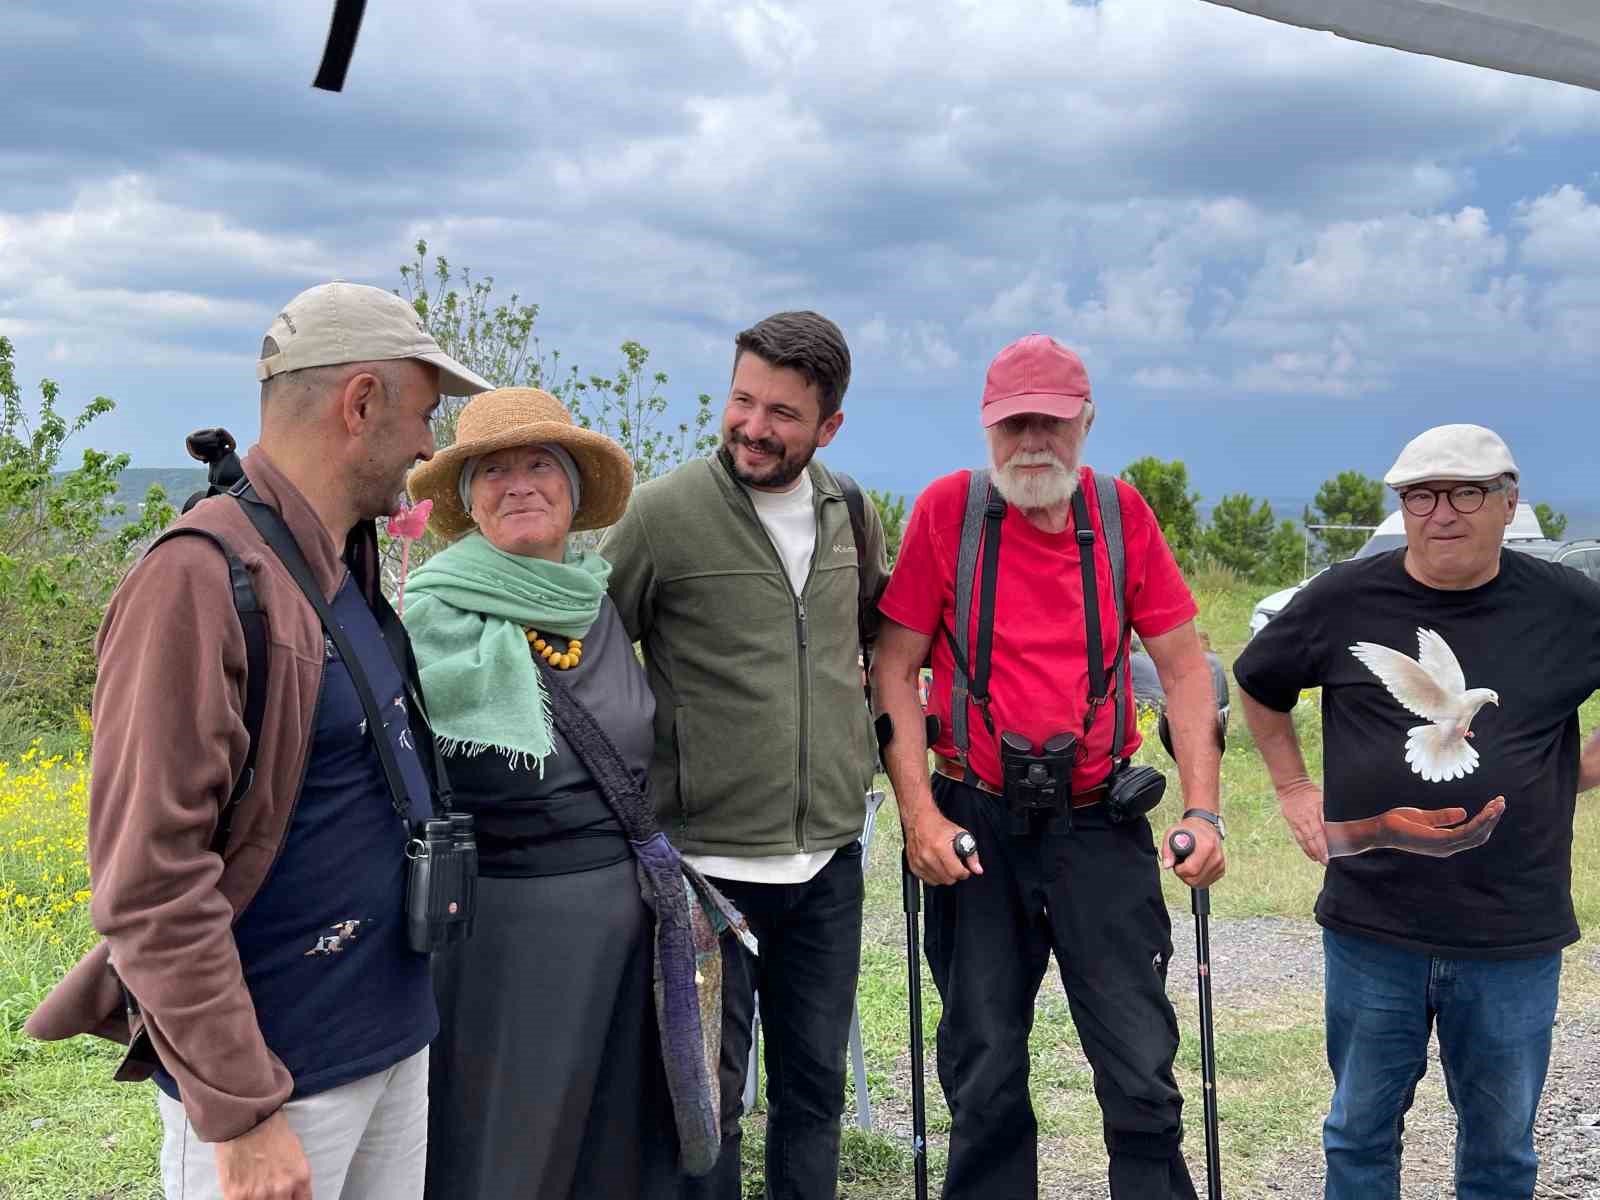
pixel 1166 377
pixel 920 347
pixel 122 276
pixel 1333 371
pixel 766 32
pixel 122 227
pixel 1563 230
pixel 1189 196
pixel 1402 288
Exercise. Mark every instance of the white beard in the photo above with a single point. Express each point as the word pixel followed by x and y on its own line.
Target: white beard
pixel 1035 489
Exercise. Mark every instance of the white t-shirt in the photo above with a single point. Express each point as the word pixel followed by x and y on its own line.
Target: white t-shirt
pixel 791 522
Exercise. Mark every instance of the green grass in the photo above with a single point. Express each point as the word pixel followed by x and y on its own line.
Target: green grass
pixel 68 1133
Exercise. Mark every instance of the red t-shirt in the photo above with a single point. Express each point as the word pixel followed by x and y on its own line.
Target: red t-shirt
pixel 1039 672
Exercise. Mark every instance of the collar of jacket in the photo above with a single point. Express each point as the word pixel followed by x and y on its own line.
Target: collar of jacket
pixel 821 478
pixel 328 564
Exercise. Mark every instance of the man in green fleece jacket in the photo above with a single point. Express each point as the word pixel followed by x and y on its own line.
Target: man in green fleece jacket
pixel 739 575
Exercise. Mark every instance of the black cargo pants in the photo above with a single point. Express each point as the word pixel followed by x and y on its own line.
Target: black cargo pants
pixel 1094 898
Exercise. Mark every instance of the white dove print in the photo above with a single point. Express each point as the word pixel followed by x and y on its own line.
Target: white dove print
pixel 1433 687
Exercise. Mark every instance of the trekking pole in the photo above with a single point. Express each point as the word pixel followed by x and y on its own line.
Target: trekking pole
pixel 1182 845
pixel 911 894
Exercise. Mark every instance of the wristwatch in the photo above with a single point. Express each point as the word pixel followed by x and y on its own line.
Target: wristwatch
pixel 1205 814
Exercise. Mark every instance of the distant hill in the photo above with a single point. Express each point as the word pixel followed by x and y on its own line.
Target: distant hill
pixel 178 482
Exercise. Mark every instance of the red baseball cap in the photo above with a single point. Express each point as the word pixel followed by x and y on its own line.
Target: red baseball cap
pixel 1035 374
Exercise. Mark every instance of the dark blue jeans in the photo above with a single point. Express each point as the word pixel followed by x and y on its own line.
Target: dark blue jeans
pixel 810 937
pixel 1494 1018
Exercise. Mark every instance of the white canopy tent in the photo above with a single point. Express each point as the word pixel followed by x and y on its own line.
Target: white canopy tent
pixel 1550 39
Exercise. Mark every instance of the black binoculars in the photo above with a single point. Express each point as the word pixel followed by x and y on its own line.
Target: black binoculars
pixel 1038 785
pixel 441 883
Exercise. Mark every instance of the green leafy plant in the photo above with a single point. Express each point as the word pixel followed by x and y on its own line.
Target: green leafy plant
pixel 1286 554
pixel 498 340
pixel 1239 536
pixel 1551 523
pixel 628 407
pixel 1165 487
pixel 1349 499
pixel 57 565
pixel 892 515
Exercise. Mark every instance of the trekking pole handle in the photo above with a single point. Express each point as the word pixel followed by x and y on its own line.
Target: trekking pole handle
pixel 1181 843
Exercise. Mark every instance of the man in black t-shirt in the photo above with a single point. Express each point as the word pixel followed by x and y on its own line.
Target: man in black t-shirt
pixel 1451 675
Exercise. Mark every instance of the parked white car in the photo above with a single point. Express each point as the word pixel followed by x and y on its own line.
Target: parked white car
pixel 1523 533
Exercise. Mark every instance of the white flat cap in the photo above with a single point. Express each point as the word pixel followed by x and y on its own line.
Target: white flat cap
pixel 340 322
pixel 1465 452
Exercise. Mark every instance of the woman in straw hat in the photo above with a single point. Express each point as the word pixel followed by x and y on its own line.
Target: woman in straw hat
pixel 546 1076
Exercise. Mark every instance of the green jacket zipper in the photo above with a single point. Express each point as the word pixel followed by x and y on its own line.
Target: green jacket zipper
pixel 802 806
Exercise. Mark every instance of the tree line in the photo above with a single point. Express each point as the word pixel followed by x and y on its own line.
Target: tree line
pixel 1243 536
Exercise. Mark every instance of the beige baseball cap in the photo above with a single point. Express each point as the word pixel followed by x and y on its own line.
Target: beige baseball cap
pixel 1465 452
pixel 340 322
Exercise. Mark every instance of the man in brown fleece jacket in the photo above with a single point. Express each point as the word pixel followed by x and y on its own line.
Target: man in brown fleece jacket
pixel 290 1016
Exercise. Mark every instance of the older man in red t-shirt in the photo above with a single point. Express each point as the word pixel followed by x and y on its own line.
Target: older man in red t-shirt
pixel 1057 868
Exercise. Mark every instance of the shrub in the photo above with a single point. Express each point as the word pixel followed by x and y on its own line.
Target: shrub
pixel 58 566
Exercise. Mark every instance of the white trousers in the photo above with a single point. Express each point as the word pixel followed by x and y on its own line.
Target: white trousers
pixel 366 1140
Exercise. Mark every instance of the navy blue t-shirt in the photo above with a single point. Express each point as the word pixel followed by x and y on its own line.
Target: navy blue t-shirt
pixel 338 992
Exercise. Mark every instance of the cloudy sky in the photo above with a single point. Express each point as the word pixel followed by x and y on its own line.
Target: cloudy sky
pixel 1281 254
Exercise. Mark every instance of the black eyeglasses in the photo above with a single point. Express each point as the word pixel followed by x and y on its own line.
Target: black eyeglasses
pixel 1465 498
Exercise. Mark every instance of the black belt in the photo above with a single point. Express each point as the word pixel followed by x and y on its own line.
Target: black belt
pixel 951 769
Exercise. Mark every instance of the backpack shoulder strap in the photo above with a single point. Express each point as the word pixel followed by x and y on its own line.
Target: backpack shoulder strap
pixel 280 540
pixel 866 606
pixel 1110 504
pixel 253 622
pixel 984 508
pixel 857 504
pixel 1094 644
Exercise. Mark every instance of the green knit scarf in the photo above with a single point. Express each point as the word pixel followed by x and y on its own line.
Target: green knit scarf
pixel 467 609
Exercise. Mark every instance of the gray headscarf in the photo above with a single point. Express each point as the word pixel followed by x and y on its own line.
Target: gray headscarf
pixel 568 464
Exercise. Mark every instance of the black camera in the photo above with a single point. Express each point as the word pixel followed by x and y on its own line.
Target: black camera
pixel 442 883
pixel 1133 791
pixel 1038 785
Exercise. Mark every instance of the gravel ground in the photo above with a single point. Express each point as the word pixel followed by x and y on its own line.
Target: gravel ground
pixel 1282 958
pixel 1255 955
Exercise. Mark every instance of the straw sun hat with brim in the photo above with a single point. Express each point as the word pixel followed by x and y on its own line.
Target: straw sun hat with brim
pixel 509 417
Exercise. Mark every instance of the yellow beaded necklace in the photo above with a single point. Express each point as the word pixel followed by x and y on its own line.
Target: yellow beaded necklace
pixel 556 658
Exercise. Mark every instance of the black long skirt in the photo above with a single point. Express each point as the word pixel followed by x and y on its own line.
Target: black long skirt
pixel 546 1078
